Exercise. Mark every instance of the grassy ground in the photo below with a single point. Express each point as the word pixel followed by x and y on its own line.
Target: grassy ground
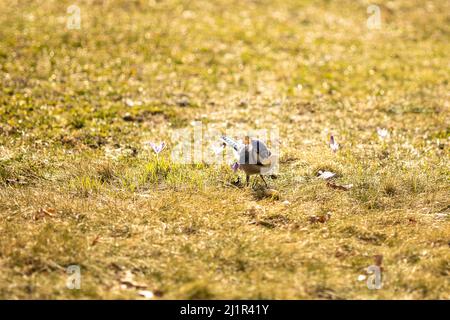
pixel 78 187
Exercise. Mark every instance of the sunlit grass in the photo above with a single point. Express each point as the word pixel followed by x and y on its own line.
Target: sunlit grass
pixel 77 107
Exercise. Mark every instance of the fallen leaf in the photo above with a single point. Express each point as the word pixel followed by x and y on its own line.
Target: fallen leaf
pixel 127 281
pixel 50 211
pixel 128 117
pixel 116 267
pixel 272 193
pixel 16 181
pixel 158 293
pixel 339 253
pixel 412 220
pixel 322 218
pixel 325 175
pixel 53 264
pixel 441 215
pixel 266 224
pixel 43 212
pixel 254 210
pixel 132 103
pixel 344 187
pixel 146 294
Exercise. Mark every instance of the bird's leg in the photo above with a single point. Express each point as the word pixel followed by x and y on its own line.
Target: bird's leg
pixel 262 177
pixel 247 180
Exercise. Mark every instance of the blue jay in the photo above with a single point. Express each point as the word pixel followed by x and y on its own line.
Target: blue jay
pixel 253 157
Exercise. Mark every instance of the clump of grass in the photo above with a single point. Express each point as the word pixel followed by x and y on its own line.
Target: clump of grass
pixel 390 187
pixel 162 172
pixel 416 182
pixel 106 172
pixel 21 170
pixel 160 169
pixel 197 290
pixel 5 173
pixel 86 185
pixel 78 122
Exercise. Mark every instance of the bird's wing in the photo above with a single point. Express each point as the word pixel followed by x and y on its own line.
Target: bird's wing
pixel 261 149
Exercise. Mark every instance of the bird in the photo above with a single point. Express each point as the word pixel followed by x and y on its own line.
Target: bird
pixel 253 157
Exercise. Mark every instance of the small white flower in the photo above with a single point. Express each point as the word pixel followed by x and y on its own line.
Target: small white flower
pixel 383 133
pixel 157 148
pixel 333 144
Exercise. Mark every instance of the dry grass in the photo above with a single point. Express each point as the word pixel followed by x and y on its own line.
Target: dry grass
pixel 71 144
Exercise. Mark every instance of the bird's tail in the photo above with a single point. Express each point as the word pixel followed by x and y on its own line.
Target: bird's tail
pixel 232 143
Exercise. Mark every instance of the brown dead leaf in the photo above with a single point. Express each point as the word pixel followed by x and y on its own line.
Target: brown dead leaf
pixel 321 218
pixel 254 210
pixel 340 253
pixel 271 193
pixel 116 267
pixel 343 187
pixel 127 281
pixel 16 181
pixel 412 220
pixel 158 293
pixel 50 211
pixel 69 140
pixel 43 212
pixel 266 224
pixel 263 193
